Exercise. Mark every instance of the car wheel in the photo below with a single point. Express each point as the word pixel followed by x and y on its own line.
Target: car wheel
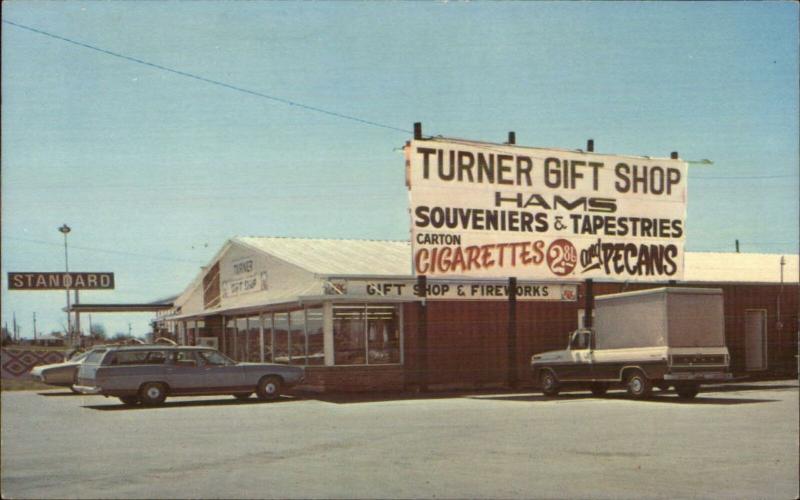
pixel 152 393
pixel 639 386
pixel 598 389
pixel 129 400
pixel 243 397
pixel 269 388
pixel 549 383
pixel 687 391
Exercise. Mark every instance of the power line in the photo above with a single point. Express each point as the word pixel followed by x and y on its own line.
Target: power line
pixel 105 250
pixel 208 80
pixel 736 177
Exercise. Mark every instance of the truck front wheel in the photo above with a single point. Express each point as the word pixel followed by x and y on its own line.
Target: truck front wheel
pixel 639 386
pixel 549 383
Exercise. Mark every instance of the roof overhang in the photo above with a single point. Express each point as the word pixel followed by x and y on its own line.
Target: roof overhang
pixel 119 308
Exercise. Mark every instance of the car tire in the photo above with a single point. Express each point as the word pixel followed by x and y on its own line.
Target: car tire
pixel 243 397
pixel 152 393
pixel 639 386
pixel 129 400
pixel 687 391
pixel 269 388
pixel 549 383
pixel 598 389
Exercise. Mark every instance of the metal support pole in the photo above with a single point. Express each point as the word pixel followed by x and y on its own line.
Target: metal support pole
pixel 512 138
pixel 77 319
pixel 422 333
pixel 588 306
pixel 590 146
pixel 673 155
pixel 417 131
pixel 512 332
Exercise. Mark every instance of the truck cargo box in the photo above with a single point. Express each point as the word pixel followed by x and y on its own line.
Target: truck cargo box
pixel 669 317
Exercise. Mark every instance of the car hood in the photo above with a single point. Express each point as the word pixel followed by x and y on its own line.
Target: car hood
pixel 37 370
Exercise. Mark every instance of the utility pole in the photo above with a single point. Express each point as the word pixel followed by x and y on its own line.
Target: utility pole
pixel 779 325
pixel 35 337
pixel 15 333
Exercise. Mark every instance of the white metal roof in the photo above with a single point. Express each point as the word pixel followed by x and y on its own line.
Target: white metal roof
pixel 740 267
pixel 393 258
pixel 338 257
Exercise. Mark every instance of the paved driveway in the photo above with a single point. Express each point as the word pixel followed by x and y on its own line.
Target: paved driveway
pixel 738 441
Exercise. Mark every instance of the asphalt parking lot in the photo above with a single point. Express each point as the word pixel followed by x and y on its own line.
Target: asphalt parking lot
pixel 737 441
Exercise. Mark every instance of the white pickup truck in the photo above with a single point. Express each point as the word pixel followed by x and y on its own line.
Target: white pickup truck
pixel 660 337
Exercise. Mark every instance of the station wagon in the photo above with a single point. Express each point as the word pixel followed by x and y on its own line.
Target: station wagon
pixel 148 374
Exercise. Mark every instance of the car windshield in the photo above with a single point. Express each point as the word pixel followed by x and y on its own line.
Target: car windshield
pixel 215 358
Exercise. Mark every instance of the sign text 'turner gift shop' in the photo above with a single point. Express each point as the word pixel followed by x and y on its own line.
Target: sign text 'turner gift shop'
pixel 491 210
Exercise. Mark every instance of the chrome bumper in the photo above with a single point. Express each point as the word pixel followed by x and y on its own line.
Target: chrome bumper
pixel 84 389
pixel 711 376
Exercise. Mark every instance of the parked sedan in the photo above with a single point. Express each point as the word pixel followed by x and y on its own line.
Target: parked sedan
pixel 59 374
pixel 148 374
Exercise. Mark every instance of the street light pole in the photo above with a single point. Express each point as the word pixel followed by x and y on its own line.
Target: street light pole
pixel 65 229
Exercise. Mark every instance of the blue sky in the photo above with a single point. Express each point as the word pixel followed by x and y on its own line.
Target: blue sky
pixel 154 171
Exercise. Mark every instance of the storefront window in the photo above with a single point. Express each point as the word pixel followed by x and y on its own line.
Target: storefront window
pixel 254 339
pixel 189 332
pixel 316 344
pixel 181 332
pixel 349 340
pixel 241 339
pixel 383 335
pixel 297 319
pixel 267 321
pixel 232 341
pixel 281 330
pixel 200 331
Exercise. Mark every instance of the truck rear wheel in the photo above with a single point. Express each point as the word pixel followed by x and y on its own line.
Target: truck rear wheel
pixel 687 391
pixel 549 383
pixel 639 386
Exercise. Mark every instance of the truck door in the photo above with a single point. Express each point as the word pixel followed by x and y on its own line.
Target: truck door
pixel 582 357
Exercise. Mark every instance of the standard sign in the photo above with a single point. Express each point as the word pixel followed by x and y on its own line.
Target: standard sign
pixel 488 210
pixel 451 290
pixel 60 281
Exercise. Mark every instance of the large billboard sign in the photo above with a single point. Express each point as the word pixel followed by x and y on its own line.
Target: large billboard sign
pixel 492 210
pixel 60 281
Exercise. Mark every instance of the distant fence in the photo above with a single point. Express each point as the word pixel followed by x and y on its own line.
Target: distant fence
pixel 16 363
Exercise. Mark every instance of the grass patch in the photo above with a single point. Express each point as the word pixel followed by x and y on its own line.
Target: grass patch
pixel 10 384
